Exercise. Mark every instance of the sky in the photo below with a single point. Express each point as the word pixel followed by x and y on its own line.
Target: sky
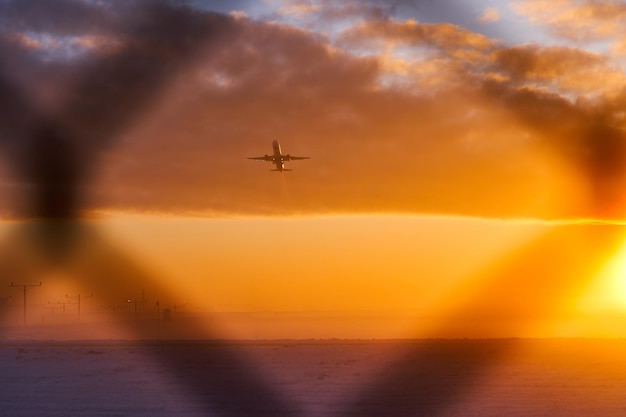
pixel 457 148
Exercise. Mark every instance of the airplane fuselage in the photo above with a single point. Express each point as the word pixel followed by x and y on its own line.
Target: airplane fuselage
pixel 279 159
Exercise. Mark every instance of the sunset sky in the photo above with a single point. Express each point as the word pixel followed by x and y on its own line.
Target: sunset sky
pixel 467 173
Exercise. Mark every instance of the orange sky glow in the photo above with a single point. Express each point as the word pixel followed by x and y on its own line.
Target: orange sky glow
pixel 463 181
pixel 383 276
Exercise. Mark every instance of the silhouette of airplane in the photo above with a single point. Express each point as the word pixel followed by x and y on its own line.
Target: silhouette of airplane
pixel 278 158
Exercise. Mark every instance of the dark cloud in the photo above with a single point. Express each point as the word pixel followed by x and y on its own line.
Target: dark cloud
pixel 54 145
pixel 583 135
pixel 536 85
pixel 570 70
pixel 374 148
pixel 62 18
pixel 163 119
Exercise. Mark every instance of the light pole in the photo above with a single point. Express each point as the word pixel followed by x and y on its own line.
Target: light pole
pixel 135 301
pixel 182 305
pixel 62 304
pixel 78 301
pixel 25 287
pixel 112 308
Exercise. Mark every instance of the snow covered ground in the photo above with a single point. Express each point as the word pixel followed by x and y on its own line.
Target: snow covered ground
pixel 570 377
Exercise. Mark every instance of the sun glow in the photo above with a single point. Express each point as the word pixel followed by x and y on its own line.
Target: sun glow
pixel 608 291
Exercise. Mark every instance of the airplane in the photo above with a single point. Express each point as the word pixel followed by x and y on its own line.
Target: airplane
pixel 278 158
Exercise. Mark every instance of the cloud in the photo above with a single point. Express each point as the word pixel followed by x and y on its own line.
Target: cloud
pixel 452 49
pixel 490 15
pixel 291 85
pixel 432 118
pixel 69 17
pixel 445 36
pixel 562 69
pixel 577 20
pixel 54 141
pixel 299 10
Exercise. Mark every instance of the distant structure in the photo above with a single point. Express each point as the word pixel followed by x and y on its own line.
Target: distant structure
pixel 77 297
pixel 25 287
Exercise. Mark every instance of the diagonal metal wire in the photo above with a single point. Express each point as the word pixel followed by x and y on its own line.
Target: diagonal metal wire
pixel 520 290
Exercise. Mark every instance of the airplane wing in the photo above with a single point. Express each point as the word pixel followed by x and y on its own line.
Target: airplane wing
pixel 263 158
pixel 295 158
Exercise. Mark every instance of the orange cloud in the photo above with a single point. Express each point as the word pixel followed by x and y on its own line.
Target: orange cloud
pixel 299 10
pixel 576 20
pixel 490 15
pixel 398 116
pixel 443 35
pixel 570 70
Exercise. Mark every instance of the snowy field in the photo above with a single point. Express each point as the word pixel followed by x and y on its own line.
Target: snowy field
pixel 570 377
